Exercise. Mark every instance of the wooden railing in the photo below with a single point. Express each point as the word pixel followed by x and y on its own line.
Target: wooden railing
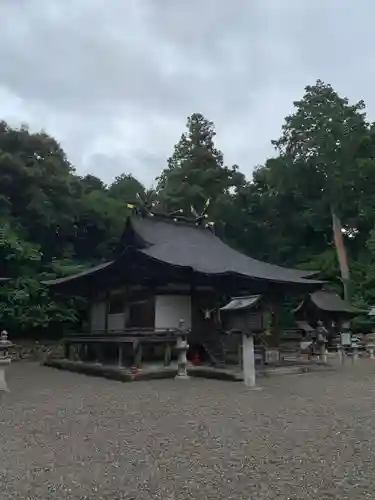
pixel 128 335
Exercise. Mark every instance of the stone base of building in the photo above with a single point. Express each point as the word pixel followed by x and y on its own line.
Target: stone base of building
pixel 160 372
pixel 35 350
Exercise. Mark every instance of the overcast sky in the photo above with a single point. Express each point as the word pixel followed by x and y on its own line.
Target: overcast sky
pixel 114 80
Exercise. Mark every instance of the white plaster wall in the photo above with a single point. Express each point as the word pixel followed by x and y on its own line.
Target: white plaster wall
pixel 169 309
pixel 98 310
pixel 116 321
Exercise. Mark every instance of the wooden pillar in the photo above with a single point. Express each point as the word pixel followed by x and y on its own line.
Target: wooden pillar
pixel 276 330
pixel 120 355
pixel 138 351
pixel 107 299
pixel 98 353
pixel 91 302
pixel 82 352
pixel 66 350
pixel 167 354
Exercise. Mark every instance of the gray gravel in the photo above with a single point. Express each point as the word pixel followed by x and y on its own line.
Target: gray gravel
pixel 68 436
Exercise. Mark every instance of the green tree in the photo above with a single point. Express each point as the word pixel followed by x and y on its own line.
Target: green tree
pixel 56 222
pixel 323 162
pixel 319 151
pixel 196 170
pixel 25 304
pixel 125 188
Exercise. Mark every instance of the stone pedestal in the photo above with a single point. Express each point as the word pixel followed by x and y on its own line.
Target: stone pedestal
pixel 248 360
pixel 4 359
pixel 182 348
pixel 355 355
pixel 323 354
pixel 370 350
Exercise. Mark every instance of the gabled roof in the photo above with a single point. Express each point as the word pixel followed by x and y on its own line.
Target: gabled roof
pixel 329 302
pixel 242 303
pixel 186 245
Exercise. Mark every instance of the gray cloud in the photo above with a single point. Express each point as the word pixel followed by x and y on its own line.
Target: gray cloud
pixel 114 81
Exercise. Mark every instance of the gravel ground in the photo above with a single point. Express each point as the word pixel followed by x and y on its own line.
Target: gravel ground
pixel 68 436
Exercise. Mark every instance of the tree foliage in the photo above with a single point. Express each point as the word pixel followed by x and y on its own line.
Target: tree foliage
pixel 54 222
pixel 196 172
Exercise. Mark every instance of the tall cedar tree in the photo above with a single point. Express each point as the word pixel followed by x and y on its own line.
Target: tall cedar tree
pixel 196 170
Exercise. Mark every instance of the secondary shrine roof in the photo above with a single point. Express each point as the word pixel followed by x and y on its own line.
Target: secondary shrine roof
pixel 329 302
pixel 242 303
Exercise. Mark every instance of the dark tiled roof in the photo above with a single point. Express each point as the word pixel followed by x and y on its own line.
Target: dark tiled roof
pixel 87 272
pixel 329 302
pixel 186 245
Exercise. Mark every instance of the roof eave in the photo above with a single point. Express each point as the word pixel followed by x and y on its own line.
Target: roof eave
pixel 78 276
pixel 299 281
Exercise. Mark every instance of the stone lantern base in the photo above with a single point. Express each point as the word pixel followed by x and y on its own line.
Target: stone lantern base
pixel 4 363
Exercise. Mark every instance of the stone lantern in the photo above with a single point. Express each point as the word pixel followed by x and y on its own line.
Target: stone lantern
pixel 247 315
pixel 4 359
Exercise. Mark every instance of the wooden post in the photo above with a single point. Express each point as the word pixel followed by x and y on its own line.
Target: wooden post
pixel 167 355
pixel 98 353
pixel 138 351
pixel 107 300
pixel 82 352
pixel 275 326
pixel 120 356
pixel 248 359
pixel 66 350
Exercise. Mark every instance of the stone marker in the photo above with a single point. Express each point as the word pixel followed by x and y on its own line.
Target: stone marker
pixel 248 359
